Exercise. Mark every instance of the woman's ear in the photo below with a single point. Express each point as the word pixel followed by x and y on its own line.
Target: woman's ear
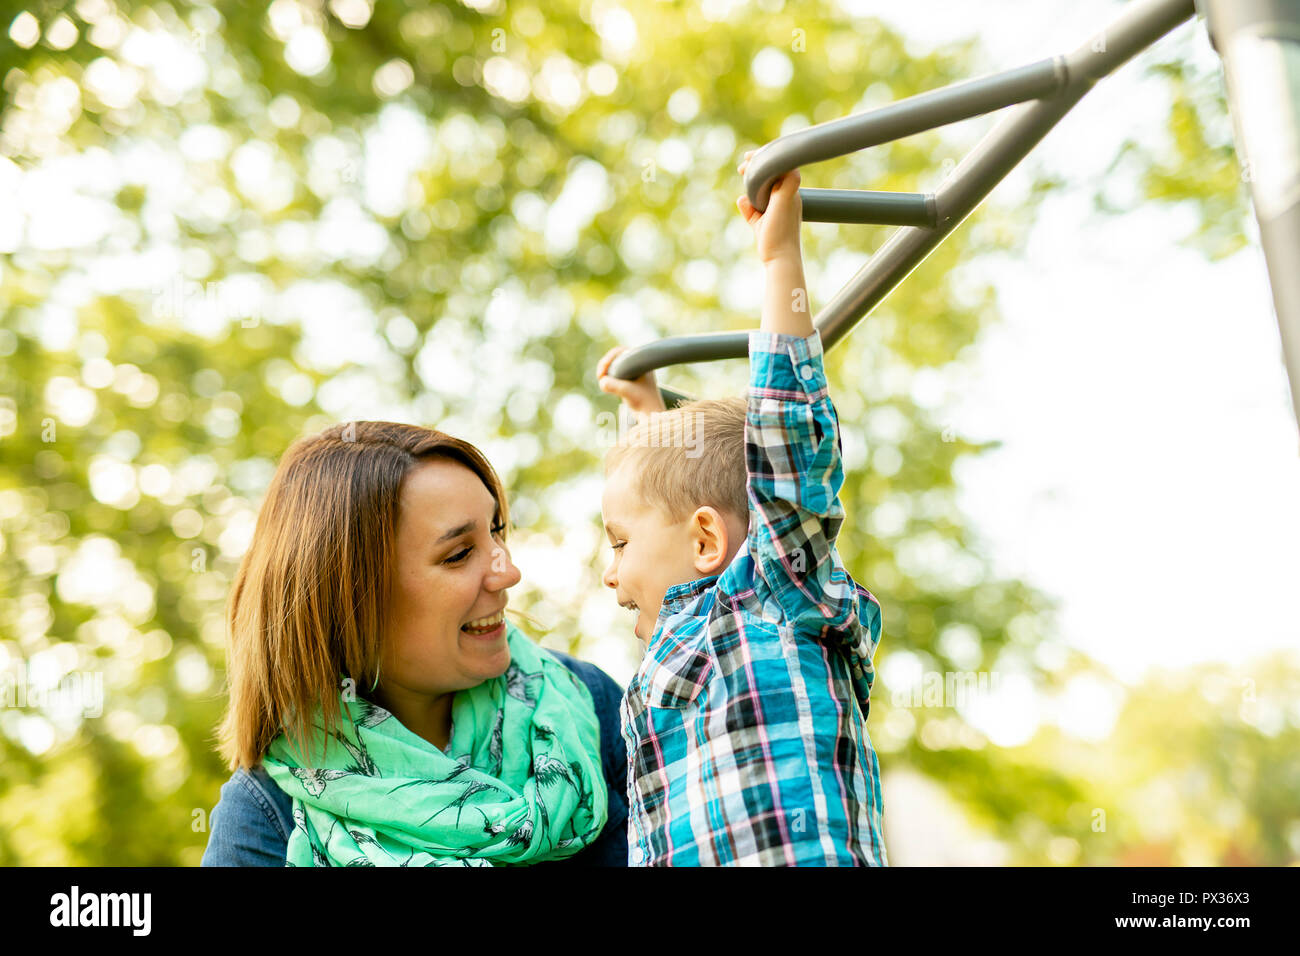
pixel 710 540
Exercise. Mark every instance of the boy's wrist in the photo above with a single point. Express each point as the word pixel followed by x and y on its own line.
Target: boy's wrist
pixel 785 297
pixel 789 256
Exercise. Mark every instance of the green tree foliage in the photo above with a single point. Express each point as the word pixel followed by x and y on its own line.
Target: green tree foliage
pixel 1196 164
pixel 1198 770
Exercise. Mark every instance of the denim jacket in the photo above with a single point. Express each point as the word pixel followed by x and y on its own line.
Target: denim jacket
pixel 253 817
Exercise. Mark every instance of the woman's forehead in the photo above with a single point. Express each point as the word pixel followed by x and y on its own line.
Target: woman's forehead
pixel 443 495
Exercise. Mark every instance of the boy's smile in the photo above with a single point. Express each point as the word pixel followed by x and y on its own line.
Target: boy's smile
pixel 651 553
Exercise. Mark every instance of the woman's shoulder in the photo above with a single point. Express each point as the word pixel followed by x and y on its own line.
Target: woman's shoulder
pixel 250 824
pixel 600 684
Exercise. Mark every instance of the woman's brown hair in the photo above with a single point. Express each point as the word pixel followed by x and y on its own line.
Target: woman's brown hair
pixel 308 605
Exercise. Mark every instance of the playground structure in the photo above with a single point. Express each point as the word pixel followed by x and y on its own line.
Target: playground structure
pixel 1259 42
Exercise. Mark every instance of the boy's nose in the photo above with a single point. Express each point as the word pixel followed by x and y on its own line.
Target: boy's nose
pixel 609 578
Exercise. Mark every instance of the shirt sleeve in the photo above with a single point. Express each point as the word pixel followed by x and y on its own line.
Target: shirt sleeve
pixel 245 825
pixel 792 446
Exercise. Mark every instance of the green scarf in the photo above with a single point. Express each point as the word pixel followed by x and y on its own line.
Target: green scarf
pixel 520 781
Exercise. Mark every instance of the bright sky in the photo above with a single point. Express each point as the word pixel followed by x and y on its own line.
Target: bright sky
pixel 1149 468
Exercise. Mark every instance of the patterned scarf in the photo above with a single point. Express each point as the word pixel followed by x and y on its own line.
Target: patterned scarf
pixel 519 782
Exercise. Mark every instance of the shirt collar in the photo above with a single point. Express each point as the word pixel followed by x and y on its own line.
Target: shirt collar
pixel 679 595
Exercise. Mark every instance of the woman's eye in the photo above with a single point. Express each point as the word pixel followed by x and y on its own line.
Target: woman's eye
pixel 619 546
pixel 459 556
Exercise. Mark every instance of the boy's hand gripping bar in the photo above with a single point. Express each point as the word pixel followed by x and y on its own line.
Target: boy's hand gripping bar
pixel 1043 93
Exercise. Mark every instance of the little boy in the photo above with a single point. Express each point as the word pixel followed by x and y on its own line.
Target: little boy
pixel 746 721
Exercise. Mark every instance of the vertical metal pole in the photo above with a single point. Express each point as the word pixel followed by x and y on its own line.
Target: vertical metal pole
pixel 1259 41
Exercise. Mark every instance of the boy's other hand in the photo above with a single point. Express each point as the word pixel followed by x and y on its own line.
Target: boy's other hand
pixel 777 228
pixel 641 395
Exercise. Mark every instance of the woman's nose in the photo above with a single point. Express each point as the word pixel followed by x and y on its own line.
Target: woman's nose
pixel 503 574
pixel 609 578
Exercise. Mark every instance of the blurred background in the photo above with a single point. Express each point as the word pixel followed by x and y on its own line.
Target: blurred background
pixel 1071 461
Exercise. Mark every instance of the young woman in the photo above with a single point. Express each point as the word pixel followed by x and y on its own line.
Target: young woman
pixel 382 709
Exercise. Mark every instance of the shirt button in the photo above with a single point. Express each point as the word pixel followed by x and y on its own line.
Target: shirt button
pixel 806 372
pixel 638 856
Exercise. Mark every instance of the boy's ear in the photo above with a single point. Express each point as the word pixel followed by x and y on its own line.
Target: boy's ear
pixel 710 540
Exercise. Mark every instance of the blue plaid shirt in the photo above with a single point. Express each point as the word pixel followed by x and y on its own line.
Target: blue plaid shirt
pixel 746 721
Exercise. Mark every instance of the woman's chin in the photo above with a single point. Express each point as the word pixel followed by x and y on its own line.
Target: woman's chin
pixel 488 656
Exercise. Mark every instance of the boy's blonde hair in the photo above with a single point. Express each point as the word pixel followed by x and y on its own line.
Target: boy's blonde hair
pixel 689 457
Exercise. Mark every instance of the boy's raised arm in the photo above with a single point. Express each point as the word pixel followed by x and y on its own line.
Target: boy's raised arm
pixel 792 442
pixel 785 294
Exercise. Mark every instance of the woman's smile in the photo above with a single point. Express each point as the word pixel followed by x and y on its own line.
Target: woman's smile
pixel 487 628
